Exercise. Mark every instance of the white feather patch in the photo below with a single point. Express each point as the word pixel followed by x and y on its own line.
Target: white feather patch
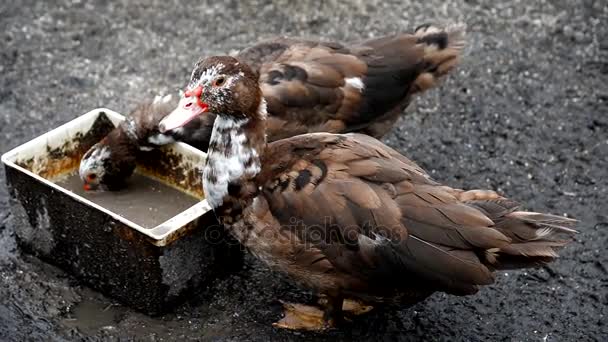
pixel 262 109
pixel 94 162
pixel 160 139
pixel 229 165
pixel 162 99
pixel 206 76
pixel 131 128
pixel 355 82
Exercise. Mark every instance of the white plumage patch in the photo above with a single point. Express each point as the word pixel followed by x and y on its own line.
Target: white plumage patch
pixel 229 164
pixel 262 109
pixel 131 128
pixel 94 161
pixel 207 75
pixel 160 139
pixel 355 82
pixel 162 99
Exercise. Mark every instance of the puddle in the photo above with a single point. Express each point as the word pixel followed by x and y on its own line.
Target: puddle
pixel 93 314
pixel 90 315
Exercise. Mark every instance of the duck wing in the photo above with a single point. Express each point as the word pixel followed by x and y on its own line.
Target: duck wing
pixel 357 208
pixel 330 87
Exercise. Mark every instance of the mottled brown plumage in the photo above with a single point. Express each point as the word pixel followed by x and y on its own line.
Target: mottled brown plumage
pixel 348 216
pixel 313 86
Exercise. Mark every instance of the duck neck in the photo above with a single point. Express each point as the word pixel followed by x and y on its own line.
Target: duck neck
pixel 234 156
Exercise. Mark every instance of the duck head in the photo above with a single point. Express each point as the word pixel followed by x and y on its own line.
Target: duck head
pixel 107 165
pixel 95 170
pixel 220 85
pixel 92 166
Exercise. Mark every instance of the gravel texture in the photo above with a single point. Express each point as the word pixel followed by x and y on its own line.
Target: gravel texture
pixel 526 114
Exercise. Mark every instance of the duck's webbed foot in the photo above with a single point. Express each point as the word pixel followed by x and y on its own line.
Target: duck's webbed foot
pixel 302 317
pixel 312 318
pixel 352 307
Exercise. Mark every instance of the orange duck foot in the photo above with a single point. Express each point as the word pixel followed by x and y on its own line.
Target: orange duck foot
pixel 350 307
pixel 304 317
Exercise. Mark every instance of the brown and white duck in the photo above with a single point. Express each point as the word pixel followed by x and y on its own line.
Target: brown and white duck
pixel 348 216
pixel 309 86
pixel 108 164
pixel 312 86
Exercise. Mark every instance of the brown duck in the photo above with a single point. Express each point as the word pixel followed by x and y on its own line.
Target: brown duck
pixel 348 216
pixel 312 86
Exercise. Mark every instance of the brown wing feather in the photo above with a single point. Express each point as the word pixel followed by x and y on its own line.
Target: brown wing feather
pixel 329 87
pixel 379 219
pixel 352 200
pixel 306 77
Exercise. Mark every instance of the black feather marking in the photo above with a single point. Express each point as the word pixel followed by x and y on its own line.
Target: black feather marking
pixel 227 138
pixel 294 72
pixel 319 259
pixel 422 27
pixel 284 184
pixel 303 179
pixel 274 77
pixel 249 162
pixel 386 86
pixel 440 39
pixel 211 177
pixel 234 188
pixel 321 165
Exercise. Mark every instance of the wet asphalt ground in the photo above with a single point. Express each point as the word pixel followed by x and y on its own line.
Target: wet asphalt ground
pixel 526 114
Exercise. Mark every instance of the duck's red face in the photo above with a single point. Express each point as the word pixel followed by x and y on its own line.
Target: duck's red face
pixel 220 85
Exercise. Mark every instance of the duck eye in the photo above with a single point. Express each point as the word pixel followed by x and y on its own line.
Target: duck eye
pixel 91 177
pixel 219 81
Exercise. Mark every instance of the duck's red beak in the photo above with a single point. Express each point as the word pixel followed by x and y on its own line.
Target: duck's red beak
pixel 189 107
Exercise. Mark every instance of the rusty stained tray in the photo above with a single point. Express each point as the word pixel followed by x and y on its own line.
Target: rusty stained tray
pixel 149 269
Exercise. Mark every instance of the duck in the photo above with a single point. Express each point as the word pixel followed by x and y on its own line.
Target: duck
pixel 314 86
pixel 347 216
pixel 108 164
